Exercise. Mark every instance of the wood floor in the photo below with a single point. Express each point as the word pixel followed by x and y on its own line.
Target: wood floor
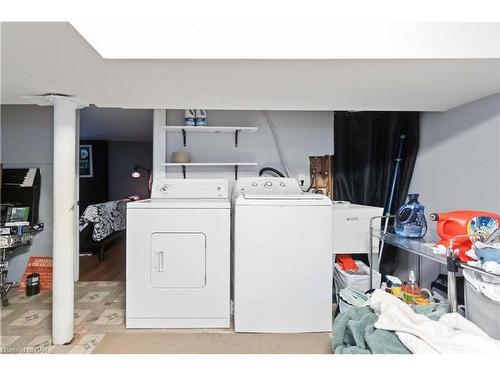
pixel 111 269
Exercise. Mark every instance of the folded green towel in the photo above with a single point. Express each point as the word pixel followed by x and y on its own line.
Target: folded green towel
pixel 354 333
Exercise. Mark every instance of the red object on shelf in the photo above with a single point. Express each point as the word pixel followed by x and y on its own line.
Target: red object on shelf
pixel 346 262
pixel 454 223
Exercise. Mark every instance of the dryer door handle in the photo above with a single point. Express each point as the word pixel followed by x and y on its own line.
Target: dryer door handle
pixel 159 261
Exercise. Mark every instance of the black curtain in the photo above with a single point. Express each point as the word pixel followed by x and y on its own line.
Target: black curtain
pixel 366 145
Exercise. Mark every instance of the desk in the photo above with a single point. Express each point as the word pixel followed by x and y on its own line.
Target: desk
pixel 9 244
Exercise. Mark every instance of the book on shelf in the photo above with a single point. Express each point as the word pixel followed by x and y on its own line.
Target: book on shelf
pixel 15 215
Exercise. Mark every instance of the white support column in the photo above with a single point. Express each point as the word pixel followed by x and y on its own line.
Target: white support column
pixel 65 178
pixel 64 210
pixel 76 211
pixel 159 142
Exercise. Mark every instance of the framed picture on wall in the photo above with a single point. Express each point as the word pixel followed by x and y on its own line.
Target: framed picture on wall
pixel 86 161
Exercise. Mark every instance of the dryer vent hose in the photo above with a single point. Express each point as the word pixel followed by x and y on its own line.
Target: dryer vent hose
pixel 271 169
pixel 277 141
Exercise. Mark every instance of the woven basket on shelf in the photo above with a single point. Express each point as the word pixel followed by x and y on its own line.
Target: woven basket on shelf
pixel 181 157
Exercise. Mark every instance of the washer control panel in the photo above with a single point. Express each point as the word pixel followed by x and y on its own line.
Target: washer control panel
pixel 189 188
pixel 267 185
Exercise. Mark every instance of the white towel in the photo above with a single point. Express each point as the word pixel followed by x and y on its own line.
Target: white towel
pixel 489 289
pixel 492 267
pixel 451 334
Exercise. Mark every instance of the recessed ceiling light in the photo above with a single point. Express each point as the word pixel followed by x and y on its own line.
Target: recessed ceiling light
pixel 267 39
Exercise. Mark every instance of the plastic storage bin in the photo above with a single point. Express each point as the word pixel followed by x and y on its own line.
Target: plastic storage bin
pixel 482 311
pixel 359 282
pixel 349 297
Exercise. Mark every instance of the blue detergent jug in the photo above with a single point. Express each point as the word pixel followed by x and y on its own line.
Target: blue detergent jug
pixel 410 219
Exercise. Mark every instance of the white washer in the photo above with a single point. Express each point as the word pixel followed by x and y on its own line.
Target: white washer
pixel 178 256
pixel 282 257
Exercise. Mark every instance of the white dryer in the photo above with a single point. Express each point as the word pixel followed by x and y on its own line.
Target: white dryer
pixel 282 257
pixel 178 256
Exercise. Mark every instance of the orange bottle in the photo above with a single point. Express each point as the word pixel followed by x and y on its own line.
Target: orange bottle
pixel 411 291
pixel 454 223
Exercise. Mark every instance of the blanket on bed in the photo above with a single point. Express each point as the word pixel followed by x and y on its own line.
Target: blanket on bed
pixel 107 218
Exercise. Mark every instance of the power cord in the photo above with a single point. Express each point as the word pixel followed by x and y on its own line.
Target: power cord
pixel 311 185
pixel 302 182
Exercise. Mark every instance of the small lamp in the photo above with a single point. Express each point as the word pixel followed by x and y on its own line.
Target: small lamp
pixel 137 174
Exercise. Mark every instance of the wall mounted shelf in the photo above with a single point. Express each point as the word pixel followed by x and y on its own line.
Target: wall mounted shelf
pixel 214 164
pixel 211 129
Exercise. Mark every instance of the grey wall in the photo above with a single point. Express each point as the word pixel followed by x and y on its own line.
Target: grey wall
pixel 122 157
pixel 451 172
pixel 458 165
pixel 27 141
pixel 301 134
pixel 116 124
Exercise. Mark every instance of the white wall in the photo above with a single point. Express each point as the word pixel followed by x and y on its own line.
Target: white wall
pixel 458 165
pixel 301 134
pixel 27 141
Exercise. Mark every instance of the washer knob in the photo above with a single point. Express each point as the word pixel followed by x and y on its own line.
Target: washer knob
pixel 268 184
pixel 165 188
pixel 282 184
pixel 254 183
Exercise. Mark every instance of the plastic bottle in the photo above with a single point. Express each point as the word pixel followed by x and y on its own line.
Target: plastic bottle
pixel 32 284
pixel 201 117
pixel 190 117
pixel 413 279
pixel 410 219
pixel 411 289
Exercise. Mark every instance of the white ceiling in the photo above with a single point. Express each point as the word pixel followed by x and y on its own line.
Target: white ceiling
pixel 40 58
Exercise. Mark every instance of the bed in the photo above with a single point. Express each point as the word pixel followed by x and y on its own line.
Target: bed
pixel 101 226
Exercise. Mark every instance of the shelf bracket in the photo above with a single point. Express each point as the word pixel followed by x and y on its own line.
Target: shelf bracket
pixel 236 171
pixel 184 138
pixel 184 171
pixel 236 137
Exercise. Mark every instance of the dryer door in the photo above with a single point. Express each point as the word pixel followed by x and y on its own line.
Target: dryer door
pixel 178 260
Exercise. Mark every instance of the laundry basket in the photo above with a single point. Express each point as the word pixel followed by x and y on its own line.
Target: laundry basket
pixel 359 282
pixel 482 311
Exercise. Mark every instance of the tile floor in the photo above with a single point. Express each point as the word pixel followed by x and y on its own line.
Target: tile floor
pixel 25 325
